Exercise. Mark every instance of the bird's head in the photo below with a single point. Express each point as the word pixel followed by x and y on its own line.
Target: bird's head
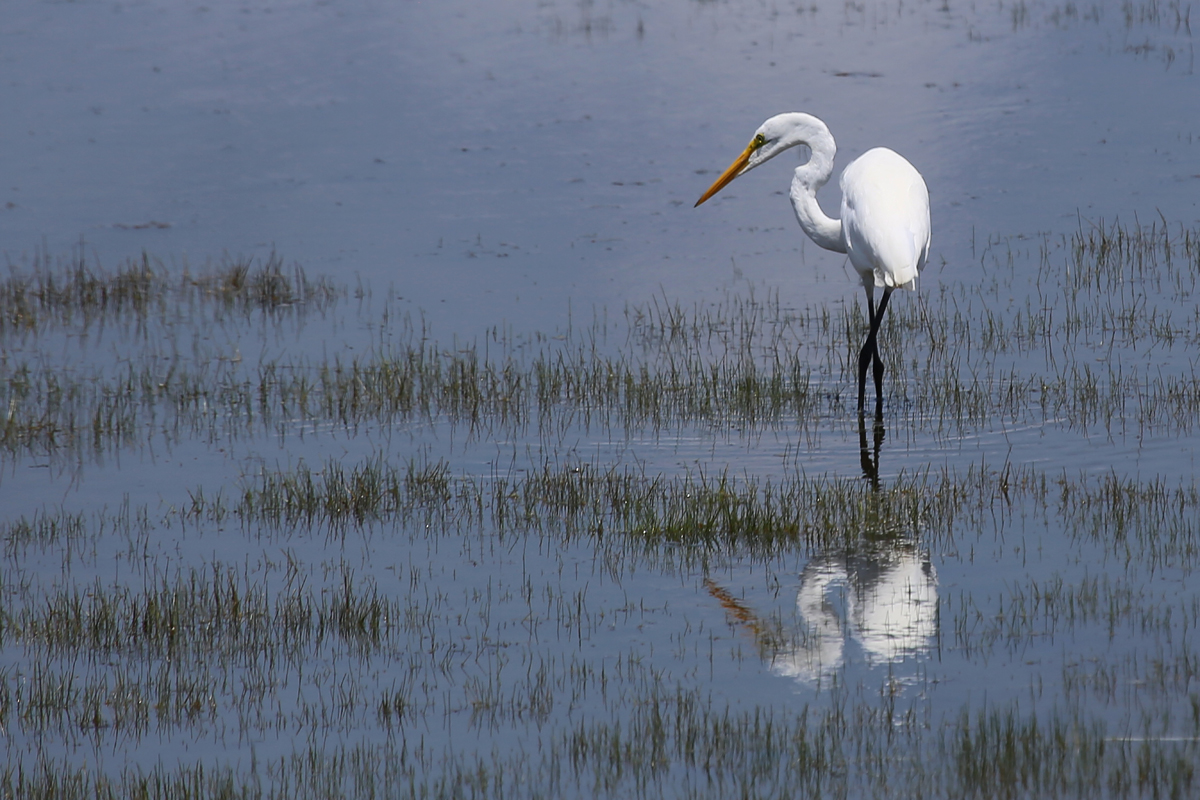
pixel 777 134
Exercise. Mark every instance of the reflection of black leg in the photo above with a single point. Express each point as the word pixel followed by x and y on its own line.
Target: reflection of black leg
pixel 869 455
pixel 879 434
pixel 869 469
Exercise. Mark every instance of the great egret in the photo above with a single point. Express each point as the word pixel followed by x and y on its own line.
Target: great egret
pixel 884 227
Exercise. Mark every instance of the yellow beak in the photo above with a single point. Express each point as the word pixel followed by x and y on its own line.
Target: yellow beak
pixel 728 175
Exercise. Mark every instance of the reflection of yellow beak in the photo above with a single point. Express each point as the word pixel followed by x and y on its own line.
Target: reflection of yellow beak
pixel 734 170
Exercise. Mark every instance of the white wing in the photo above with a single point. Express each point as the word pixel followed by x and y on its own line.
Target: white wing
pixel 885 218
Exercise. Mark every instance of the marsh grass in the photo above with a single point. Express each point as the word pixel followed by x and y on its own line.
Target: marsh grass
pixel 692 515
pixel 42 295
pixel 202 615
pixel 407 622
pixel 695 516
pixel 677 741
pixel 184 650
pixel 959 358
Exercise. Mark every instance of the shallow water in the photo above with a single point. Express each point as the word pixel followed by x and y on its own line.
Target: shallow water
pixel 511 186
pixel 492 163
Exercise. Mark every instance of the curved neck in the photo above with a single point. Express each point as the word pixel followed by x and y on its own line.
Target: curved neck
pixel 821 228
pixel 811 176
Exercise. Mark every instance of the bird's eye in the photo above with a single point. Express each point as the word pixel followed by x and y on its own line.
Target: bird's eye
pixel 759 141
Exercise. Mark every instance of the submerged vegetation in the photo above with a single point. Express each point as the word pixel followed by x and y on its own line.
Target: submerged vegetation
pixel 522 567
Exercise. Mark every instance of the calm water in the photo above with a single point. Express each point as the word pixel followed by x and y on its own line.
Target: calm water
pixel 517 177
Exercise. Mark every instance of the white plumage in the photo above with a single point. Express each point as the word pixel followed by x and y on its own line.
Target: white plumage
pixel 885 219
pixel 884 226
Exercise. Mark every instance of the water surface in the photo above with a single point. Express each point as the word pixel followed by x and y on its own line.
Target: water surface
pixel 550 483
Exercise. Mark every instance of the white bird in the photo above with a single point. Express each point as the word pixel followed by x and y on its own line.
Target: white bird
pixel 884 227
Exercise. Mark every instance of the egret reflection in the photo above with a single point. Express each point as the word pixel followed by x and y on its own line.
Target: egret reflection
pixel 878 603
pixel 886 605
pixel 882 606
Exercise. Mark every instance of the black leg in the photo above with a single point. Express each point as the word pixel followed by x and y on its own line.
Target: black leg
pixel 864 361
pixel 878 363
pixel 867 353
